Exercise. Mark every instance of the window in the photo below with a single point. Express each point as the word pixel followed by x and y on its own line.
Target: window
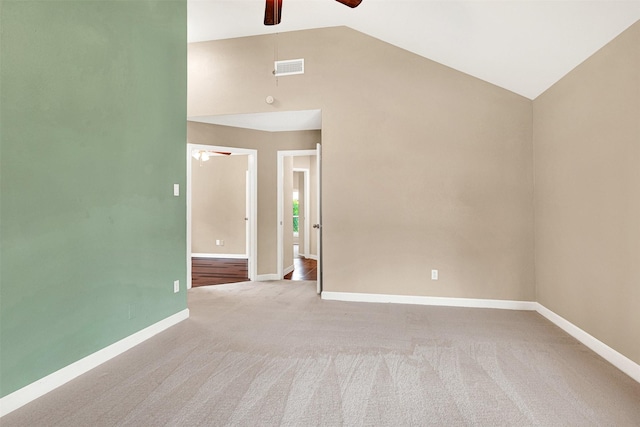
pixel 296 213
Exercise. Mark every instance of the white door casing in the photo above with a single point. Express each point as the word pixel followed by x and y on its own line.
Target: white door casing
pixel 280 199
pixel 251 197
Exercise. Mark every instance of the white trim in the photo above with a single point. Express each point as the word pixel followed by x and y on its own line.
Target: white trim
pixel 188 194
pixel 612 356
pixel 247 215
pixel 38 388
pixel 319 270
pixel 252 251
pixel 280 201
pixel 311 256
pixel 288 270
pixel 233 256
pixel 252 256
pixel 267 277
pixel 423 300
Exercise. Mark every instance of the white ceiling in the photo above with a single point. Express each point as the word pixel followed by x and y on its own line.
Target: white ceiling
pixel 521 45
pixel 271 122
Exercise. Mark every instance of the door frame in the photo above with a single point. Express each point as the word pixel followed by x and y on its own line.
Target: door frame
pixel 280 200
pixel 320 275
pixel 252 168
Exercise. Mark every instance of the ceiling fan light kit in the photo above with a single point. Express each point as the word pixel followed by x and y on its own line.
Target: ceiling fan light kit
pixel 273 10
pixel 204 155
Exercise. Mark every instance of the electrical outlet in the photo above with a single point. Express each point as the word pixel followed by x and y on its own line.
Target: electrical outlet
pixel 219 242
pixel 434 274
pixel 176 286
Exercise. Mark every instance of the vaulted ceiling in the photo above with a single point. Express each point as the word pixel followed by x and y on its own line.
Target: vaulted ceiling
pixel 521 45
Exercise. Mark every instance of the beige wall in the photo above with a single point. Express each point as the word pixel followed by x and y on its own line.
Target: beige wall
pixel 218 192
pixel 391 118
pixel 301 162
pixel 587 186
pixel 267 144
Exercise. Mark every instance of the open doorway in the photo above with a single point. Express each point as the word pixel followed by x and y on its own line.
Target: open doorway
pixel 266 133
pixel 305 263
pixel 221 214
pixel 299 215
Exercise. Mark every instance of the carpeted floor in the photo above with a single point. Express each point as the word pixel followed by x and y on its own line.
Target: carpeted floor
pixel 264 354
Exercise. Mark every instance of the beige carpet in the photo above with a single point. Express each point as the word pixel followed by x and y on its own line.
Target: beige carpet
pixel 263 354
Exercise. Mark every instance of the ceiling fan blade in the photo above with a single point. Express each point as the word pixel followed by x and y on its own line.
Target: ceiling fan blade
pixel 223 153
pixel 272 12
pixel 350 3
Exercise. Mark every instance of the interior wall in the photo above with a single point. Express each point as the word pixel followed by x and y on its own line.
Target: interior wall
pixel 267 144
pixel 93 111
pixel 301 162
pixel 218 199
pixel 587 195
pixel 390 118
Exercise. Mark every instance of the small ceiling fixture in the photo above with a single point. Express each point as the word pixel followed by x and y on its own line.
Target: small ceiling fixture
pixel 273 10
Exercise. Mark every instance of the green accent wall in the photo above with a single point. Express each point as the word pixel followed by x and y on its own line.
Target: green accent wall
pixel 92 139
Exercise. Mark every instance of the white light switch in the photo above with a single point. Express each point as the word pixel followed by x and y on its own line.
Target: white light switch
pixel 176 189
pixel 176 286
pixel 434 274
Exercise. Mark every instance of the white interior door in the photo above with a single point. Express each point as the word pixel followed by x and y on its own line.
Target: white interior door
pixel 319 207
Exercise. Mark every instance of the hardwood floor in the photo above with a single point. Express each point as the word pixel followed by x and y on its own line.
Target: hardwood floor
pixel 217 271
pixel 304 268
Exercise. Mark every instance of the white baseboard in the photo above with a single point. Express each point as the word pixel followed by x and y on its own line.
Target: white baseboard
pixel 231 256
pixel 311 256
pixel 617 359
pixel 26 394
pixel 266 277
pixel 422 300
pixel 288 270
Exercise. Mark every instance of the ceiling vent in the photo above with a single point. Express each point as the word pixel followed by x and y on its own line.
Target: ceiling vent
pixel 289 67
